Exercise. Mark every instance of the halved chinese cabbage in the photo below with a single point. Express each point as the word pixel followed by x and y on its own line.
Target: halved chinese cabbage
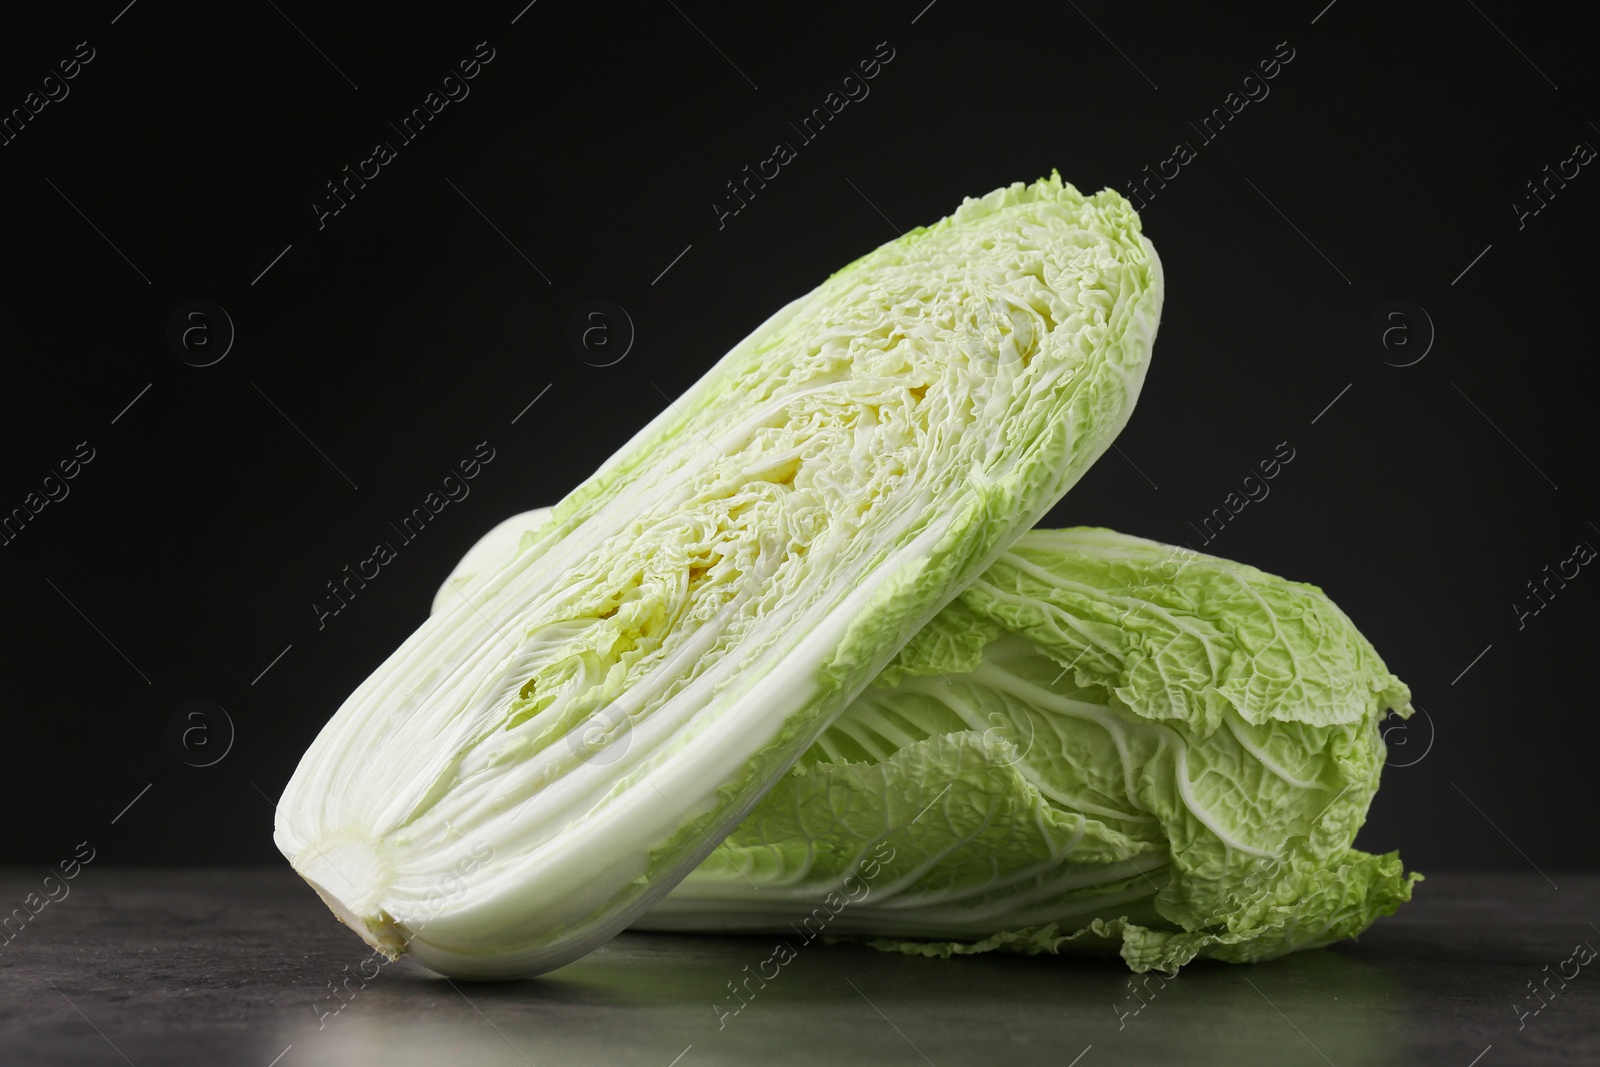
pixel 538 764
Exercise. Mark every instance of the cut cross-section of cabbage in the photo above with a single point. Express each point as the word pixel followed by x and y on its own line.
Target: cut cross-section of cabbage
pixel 542 761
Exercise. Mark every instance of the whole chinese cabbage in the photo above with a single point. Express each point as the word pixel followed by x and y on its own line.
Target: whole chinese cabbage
pixel 1103 744
pixel 539 764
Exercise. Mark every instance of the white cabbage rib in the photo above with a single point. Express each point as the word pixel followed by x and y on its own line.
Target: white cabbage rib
pixel 546 757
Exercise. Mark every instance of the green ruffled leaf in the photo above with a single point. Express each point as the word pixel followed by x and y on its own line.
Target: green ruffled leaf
pixel 1104 744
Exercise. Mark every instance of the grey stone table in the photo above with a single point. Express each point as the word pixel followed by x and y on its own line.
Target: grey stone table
pixel 234 967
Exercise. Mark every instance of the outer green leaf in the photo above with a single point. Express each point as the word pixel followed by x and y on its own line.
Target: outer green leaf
pixel 1124 745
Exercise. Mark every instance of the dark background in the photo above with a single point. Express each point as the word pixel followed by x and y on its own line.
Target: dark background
pixel 415 324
